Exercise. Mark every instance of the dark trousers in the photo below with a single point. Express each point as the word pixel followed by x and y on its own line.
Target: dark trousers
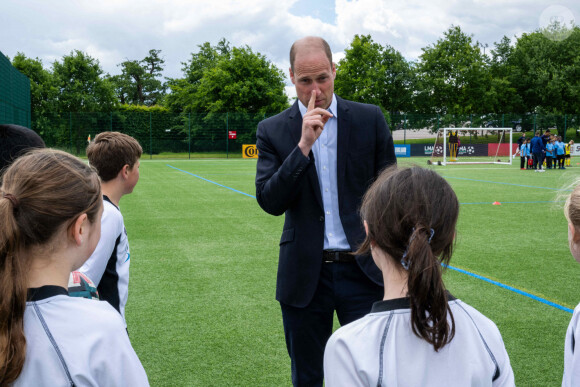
pixel 538 160
pixel 561 161
pixel 342 287
pixel 522 162
pixel 549 162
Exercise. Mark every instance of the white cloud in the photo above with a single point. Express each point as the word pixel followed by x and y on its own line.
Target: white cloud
pixel 115 30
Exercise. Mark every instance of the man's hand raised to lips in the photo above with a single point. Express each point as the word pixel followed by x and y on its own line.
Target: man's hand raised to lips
pixel 312 124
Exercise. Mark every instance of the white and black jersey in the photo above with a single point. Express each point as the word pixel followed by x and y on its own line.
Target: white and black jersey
pixel 108 266
pixel 73 341
pixel 571 352
pixel 381 349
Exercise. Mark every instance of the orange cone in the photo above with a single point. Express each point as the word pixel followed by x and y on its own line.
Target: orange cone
pixel 496 203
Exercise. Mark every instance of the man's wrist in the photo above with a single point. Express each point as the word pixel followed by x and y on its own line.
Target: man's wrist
pixel 304 148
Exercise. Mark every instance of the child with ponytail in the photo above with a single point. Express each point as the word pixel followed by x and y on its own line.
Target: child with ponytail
pixel 419 335
pixel 50 213
pixel 571 352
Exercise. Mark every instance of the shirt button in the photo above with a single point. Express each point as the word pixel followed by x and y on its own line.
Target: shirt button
pixel 327 212
pixel 326 190
pixel 329 234
pixel 324 168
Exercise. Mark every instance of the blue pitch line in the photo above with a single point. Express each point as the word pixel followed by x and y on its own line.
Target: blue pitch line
pixel 521 292
pixel 209 181
pixel 497 182
pixel 451 267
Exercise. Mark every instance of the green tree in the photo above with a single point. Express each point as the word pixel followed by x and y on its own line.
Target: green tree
pixel 43 94
pixel 81 85
pixel 223 79
pixel 375 74
pixel 546 72
pixel 82 88
pixel 138 83
pixel 453 77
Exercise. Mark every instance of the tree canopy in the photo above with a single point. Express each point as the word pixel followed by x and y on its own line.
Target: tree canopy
pixel 223 79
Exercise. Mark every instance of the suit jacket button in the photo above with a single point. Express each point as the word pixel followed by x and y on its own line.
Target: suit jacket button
pixel 322 218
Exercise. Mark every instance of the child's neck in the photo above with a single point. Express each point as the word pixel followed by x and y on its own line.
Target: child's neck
pixel 49 269
pixel 113 191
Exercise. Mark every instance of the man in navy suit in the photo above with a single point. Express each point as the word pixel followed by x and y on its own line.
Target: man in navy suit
pixel 315 162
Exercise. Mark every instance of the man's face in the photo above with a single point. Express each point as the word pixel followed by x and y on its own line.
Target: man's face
pixel 313 71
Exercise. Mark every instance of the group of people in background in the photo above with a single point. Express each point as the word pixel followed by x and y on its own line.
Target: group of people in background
pixel 362 238
pixel 544 151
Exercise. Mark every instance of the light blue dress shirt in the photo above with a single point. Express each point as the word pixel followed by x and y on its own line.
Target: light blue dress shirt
pixel 325 160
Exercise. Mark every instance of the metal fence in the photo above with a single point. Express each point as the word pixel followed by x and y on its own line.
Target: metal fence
pixel 223 134
pixel 14 94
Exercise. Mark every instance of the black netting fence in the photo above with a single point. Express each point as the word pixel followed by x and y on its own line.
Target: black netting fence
pixel 14 95
pixel 191 135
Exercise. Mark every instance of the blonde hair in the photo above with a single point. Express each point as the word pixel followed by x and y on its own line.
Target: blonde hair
pixel 572 206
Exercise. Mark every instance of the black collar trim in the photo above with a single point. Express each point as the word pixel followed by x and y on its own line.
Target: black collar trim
pixel 398 303
pixel 105 197
pixel 44 292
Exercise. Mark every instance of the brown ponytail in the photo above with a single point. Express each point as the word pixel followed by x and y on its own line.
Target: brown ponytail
pixel 411 215
pixel 41 192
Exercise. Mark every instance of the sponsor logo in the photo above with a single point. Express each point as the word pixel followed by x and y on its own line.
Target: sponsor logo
pixel 249 151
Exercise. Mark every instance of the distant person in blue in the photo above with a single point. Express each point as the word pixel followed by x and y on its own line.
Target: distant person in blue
pixel 538 150
pixel 550 154
pixel 524 154
pixel 560 152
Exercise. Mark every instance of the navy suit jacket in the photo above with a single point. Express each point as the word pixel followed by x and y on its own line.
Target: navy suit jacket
pixel 287 183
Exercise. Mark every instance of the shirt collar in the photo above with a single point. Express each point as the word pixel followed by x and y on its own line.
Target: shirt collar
pixel 332 108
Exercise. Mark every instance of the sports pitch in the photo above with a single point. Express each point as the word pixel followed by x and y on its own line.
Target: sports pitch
pixel 202 311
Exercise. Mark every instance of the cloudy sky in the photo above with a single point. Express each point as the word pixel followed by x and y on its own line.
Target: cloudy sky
pixel 115 30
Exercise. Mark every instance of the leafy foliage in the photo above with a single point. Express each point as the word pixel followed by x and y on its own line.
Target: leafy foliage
pixel 375 74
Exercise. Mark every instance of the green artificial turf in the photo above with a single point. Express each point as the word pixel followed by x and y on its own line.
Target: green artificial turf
pixel 202 308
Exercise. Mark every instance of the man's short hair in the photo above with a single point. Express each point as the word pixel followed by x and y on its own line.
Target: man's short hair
pixel 323 44
pixel 109 152
pixel 15 140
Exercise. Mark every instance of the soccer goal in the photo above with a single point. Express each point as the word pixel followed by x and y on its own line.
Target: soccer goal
pixel 463 146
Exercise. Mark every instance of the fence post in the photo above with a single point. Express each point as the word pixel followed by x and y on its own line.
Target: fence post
pixel 565 126
pixel 189 134
pixel 227 136
pixel 150 138
pixel 70 131
pixel 405 129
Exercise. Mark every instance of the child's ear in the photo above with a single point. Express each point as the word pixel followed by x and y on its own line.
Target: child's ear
pixel 574 233
pixel 77 230
pixel 125 171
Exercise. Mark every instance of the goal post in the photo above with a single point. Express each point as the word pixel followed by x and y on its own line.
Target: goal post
pixel 453 146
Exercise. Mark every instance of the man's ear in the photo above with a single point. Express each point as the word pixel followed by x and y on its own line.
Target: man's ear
pixel 291 75
pixel 77 231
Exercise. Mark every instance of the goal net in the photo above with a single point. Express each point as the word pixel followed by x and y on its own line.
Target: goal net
pixel 473 146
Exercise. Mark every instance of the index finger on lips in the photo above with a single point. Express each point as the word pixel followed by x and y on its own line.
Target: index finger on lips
pixel 312 101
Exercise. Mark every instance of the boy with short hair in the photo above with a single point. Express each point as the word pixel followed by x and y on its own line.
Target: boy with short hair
pixel 115 156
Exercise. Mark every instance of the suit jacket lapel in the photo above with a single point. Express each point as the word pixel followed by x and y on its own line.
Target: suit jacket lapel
pixel 343 133
pixel 296 132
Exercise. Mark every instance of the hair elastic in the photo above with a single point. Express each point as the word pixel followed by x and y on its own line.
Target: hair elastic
pixel 11 198
pixel 404 261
